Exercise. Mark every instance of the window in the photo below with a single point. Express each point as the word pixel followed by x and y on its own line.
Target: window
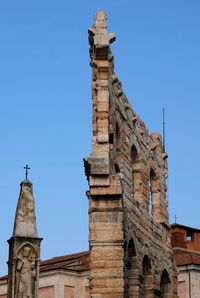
pixel 69 292
pixel 189 235
pixel 46 292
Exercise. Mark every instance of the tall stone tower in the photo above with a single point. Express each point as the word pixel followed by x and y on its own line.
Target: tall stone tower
pixel 24 248
pixel 129 233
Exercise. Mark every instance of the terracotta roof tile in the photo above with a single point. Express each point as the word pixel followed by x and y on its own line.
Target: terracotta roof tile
pixel 78 262
pixel 75 262
pixel 184 257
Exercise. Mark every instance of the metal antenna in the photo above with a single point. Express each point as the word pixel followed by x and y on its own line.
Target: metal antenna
pixel 164 129
pixel 175 218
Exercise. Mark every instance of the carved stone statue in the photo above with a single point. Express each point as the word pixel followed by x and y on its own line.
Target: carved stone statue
pixel 25 273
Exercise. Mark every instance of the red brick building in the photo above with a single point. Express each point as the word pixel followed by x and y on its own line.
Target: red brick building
pixel 186 246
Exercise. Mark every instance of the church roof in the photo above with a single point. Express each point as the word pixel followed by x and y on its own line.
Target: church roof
pixel 78 262
pixel 185 257
pixel 176 225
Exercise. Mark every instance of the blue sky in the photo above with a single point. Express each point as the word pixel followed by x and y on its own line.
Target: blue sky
pixel 46 106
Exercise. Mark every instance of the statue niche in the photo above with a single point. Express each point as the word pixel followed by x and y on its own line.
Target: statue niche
pixel 25 273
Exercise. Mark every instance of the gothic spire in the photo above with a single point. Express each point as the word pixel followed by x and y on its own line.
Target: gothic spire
pixel 25 219
pixel 24 248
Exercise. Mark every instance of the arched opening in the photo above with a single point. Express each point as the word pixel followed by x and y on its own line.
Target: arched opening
pixel 140 188
pixel 157 199
pixel 117 169
pixel 165 284
pixel 133 270
pixel 134 154
pixel 117 136
pixel 147 276
pixel 132 256
pixel 135 174
pixel 131 249
pixel 152 191
pixel 146 266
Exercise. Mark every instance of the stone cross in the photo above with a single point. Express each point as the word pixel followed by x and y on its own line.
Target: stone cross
pixel 27 168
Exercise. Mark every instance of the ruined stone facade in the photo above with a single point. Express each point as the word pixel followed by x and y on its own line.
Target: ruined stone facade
pixel 129 232
pixel 24 248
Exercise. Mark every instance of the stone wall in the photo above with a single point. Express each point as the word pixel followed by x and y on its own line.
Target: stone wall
pixel 130 240
pixel 57 284
pixel 189 281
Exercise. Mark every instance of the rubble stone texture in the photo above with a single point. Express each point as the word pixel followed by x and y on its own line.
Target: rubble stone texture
pixel 129 232
pixel 24 248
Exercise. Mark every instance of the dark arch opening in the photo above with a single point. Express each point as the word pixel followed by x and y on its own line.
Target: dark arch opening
pixel 136 175
pixel 147 276
pixel 164 284
pixel 152 175
pixel 134 154
pixel 131 249
pixel 146 266
pixel 152 179
pixel 117 169
pixel 117 136
pixel 132 256
pixel 117 130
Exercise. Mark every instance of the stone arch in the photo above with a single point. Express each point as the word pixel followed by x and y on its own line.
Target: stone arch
pixel 134 154
pixel 146 265
pixel 147 276
pixel 136 174
pixel 140 188
pixel 157 196
pixel 165 282
pixel 131 249
pixel 117 136
pixel 132 255
pixel 133 270
pixel 27 244
pixel 153 183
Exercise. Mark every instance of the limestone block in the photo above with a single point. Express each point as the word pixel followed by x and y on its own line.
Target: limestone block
pixel 102 64
pixel 114 188
pixel 106 217
pixel 103 107
pixel 99 167
pixel 107 253
pixel 115 272
pixel 105 285
pixel 99 181
pixel 100 150
pixel 105 235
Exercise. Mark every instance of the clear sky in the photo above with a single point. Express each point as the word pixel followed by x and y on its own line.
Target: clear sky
pixel 46 105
